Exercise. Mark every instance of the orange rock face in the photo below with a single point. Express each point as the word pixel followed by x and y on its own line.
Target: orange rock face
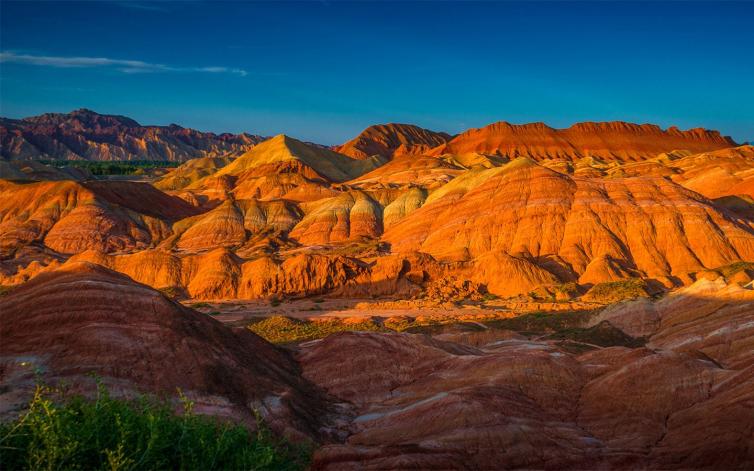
pixel 727 172
pixel 71 217
pixel 390 140
pixel 594 203
pixel 645 224
pixel 612 140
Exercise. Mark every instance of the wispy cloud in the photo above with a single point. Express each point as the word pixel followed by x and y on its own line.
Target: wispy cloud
pixel 125 66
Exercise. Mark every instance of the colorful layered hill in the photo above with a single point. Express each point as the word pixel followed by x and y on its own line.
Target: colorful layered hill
pixel 84 134
pixel 84 319
pixel 280 167
pixel 678 398
pixel 392 139
pixel 615 140
pixel 517 219
pixel 289 218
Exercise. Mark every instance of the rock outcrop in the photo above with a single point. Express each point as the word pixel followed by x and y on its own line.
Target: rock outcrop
pixel 389 140
pixel 71 217
pixel 610 140
pixel 643 226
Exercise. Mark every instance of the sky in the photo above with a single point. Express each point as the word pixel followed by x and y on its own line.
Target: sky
pixel 323 71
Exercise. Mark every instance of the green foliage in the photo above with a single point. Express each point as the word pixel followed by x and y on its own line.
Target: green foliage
pixel 59 432
pixel 603 334
pixel 113 167
pixel 542 322
pixel 201 305
pixel 729 270
pixel 173 292
pixel 615 291
pixel 281 329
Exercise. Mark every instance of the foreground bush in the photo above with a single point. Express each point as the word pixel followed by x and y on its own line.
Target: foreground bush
pixel 114 434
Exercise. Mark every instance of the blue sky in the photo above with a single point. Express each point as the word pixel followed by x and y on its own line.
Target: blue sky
pixel 322 71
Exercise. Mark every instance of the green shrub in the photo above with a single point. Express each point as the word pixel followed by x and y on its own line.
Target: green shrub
pixel 615 291
pixel 281 329
pixel 59 432
pixel 173 292
pixel 201 305
pixel 729 270
pixel 112 167
pixel 541 322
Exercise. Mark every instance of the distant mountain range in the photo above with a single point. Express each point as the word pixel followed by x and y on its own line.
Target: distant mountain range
pixel 85 134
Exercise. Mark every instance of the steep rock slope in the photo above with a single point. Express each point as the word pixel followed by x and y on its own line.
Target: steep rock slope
pixel 282 149
pixel 233 222
pixel 283 167
pixel 135 339
pixel 610 140
pixel 70 217
pixel 411 169
pixel 726 172
pixel 84 134
pixel 523 209
pixel 220 274
pixel 350 216
pixel 392 139
pixel 190 172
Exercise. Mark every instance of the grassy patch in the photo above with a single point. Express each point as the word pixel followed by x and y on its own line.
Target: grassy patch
pixel 616 291
pixel 601 335
pixel 74 433
pixel 173 293
pixel 729 270
pixel 281 329
pixel 113 167
pixel 542 322
pixel 201 305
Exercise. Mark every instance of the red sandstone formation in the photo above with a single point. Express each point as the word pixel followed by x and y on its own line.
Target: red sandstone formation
pixel 611 140
pixel 388 140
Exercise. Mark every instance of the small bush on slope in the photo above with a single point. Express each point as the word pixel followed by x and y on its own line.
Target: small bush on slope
pixel 616 291
pixel 127 435
pixel 280 329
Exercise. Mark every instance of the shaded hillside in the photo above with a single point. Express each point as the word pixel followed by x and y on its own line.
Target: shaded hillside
pixel 84 134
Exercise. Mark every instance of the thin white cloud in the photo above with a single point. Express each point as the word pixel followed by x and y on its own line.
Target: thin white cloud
pixel 125 66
